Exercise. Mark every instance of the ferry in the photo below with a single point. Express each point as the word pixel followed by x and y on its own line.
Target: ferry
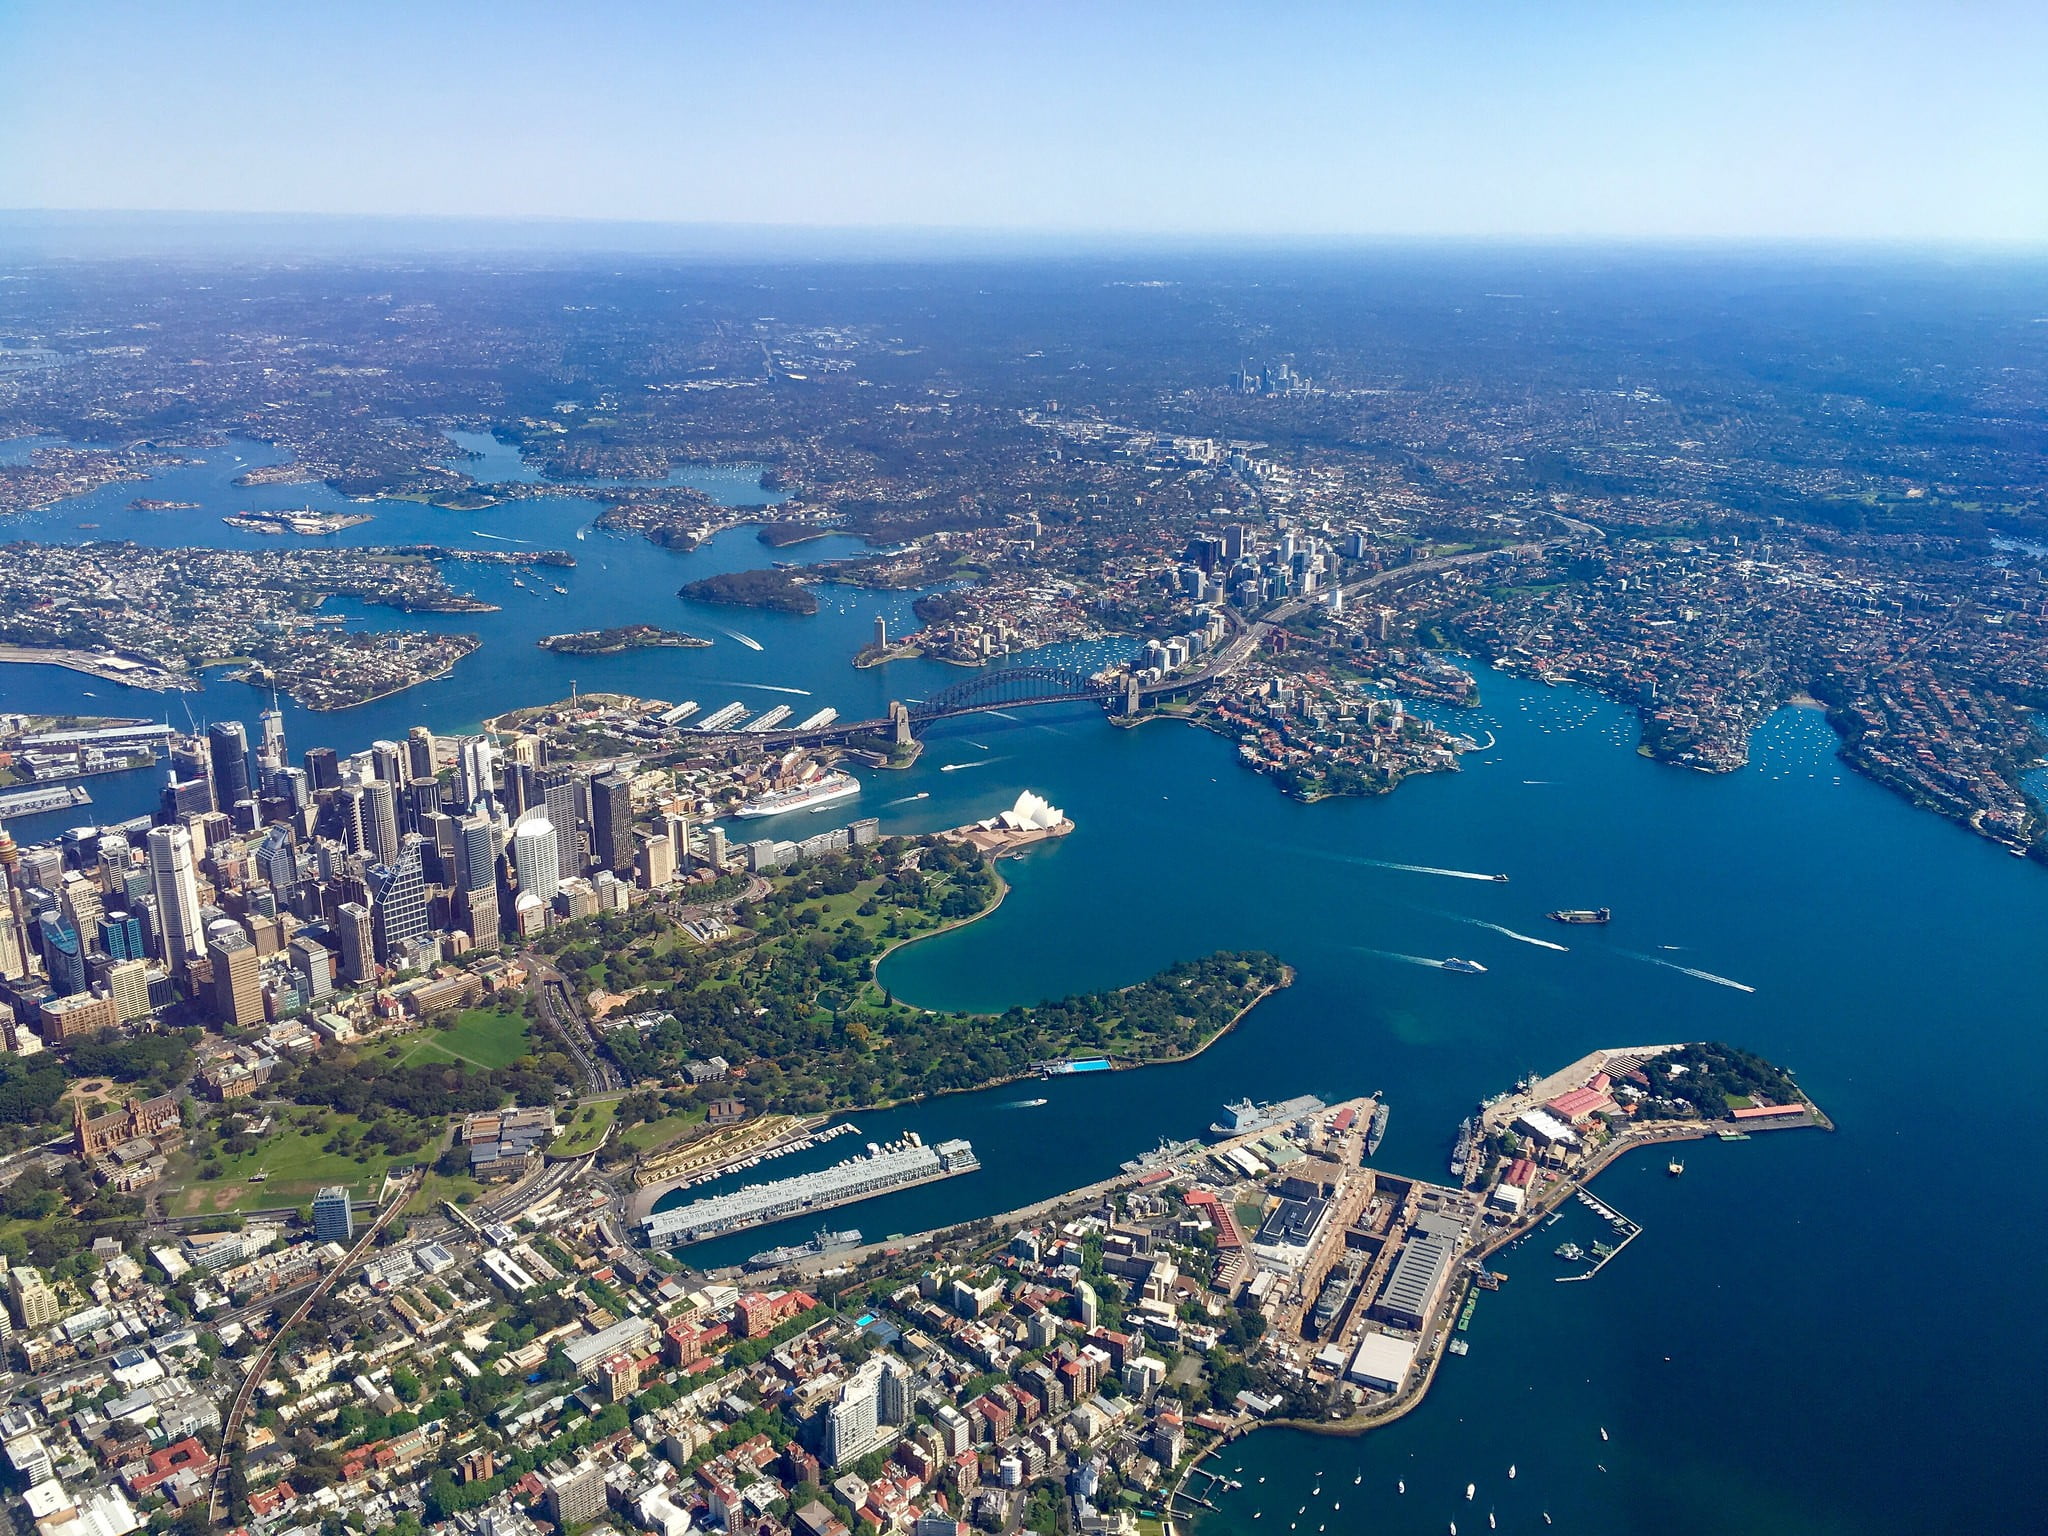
pixel 1500 879
pixel 1580 915
pixel 824 791
pixel 1674 1167
pixel 1464 967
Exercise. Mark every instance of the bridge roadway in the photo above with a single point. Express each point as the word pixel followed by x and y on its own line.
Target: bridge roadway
pixel 1235 652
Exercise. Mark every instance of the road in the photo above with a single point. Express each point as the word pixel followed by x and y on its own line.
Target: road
pixel 558 1006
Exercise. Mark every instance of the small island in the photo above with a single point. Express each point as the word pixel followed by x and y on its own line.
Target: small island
pixel 777 591
pixel 609 642
pixel 151 504
pixel 307 521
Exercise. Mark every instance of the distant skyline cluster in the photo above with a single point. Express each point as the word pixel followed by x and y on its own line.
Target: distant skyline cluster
pixel 1800 120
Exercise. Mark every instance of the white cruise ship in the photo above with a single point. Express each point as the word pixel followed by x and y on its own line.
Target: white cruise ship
pixel 805 797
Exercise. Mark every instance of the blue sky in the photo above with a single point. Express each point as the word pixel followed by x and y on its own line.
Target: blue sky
pixel 1790 120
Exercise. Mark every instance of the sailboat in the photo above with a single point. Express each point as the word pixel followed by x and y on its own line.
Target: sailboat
pixel 1511 1471
pixel 1470 1489
pixel 1603 1431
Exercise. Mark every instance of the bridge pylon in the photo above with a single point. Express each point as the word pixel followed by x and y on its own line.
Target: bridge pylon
pixel 899 721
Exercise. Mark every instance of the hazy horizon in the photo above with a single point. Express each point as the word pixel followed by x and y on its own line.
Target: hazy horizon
pixel 1205 123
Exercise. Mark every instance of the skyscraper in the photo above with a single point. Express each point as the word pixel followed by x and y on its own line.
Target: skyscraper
pixel 278 861
pixel 391 761
pixel 121 936
pixel 177 892
pixel 128 982
pixel 419 746
pixel 562 792
pixel 380 820
pixel 237 988
pixel 271 754
pixel 353 927
pixel 535 857
pixel 334 1217
pixel 13 945
pixel 315 964
pixel 228 742
pixel 323 769
pixel 678 828
pixel 422 800
pixel 476 766
pixel 398 899
pixel 63 954
pixel 611 820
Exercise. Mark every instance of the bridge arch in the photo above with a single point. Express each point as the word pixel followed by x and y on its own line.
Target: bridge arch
pixel 1019 685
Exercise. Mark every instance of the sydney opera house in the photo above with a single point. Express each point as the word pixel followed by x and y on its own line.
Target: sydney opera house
pixel 1031 820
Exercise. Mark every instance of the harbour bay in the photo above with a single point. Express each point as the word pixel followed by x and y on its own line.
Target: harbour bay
pixel 1896 962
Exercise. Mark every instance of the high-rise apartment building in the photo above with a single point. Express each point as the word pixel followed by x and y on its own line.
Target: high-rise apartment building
pixel 34 1303
pixel 334 1217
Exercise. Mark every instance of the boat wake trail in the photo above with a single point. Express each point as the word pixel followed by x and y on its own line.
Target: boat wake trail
pixel 923 794
pixel 1525 938
pixel 999 714
pixel 501 538
pixel 747 640
pixel 1393 954
pixel 802 693
pixel 957 767
pixel 1428 869
pixel 1686 970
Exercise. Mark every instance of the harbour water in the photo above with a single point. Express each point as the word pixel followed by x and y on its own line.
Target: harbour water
pixel 1840 1312
pixel 1851 1322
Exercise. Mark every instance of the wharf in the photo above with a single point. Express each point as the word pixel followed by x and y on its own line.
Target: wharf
pixel 42 798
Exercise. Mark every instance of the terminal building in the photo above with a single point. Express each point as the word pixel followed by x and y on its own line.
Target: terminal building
pixel 897 1166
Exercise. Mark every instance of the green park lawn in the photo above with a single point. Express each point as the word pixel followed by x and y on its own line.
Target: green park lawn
pixel 650 1134
pixel 480 1037
pixel 585 1129
pixel 298 1167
